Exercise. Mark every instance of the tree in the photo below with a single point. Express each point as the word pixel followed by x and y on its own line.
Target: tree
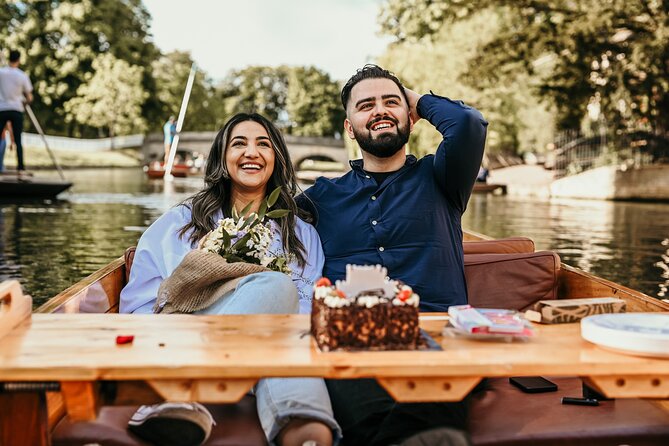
pixel 440 63
pixel 206 110
pixel 578 51
pixel 301 100
pixel 111 98
pixel 312 103
pixel 259 89
pixel 62 38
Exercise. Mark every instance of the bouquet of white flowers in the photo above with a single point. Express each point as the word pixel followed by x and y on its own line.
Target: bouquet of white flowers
pixel 248 239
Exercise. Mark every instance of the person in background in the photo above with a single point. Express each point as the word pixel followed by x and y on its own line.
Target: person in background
pixel 169 130
pixel 247 161
pixel 403 213
pixel 15 91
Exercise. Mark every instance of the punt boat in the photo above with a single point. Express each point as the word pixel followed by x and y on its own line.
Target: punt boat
pixel 26 187
pixel 505 417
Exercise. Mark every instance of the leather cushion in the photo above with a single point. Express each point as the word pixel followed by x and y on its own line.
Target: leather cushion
pixel 236 424
pixel 513 281
pixel 508 245
pixel 503 415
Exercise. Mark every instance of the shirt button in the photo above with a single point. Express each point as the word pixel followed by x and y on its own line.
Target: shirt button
pixel 374 222
pixel 381 248
pixel 373 197
pixel 367 176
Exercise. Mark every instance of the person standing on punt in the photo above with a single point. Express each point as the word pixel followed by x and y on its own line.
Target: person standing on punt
pixel 402 213
pixel 169 130
pixel 15 90
pixel 247 161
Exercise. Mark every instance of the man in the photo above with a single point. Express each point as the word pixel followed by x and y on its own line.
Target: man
pixel 15 90
pixel 405 214
pixel 169 130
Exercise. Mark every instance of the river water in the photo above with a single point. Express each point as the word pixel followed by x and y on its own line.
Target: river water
pixel 49 245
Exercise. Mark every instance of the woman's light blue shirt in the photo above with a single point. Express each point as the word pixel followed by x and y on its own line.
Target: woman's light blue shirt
pixel 160 250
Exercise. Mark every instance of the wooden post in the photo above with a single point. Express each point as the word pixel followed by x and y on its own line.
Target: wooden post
pixel 23 419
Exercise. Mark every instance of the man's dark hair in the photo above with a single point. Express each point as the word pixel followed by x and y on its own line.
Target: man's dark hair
pixel 14 56
pixel 369 71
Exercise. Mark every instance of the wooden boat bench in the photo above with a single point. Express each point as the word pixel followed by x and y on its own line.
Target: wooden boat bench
pixel 500 415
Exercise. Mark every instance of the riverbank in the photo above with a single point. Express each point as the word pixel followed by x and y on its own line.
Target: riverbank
pixel 39 159
pixel 645 183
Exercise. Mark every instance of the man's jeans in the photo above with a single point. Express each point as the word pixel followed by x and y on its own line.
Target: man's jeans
pixel 278 399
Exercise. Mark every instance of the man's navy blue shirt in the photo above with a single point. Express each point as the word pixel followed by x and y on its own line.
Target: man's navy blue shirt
pixel 411 223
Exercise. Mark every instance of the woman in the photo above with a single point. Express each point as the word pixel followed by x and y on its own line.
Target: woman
pixel 248 159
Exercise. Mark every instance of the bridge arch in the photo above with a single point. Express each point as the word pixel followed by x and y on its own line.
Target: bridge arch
pixel 300 148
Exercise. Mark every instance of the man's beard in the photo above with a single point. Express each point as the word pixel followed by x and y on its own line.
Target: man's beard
pixel 386 144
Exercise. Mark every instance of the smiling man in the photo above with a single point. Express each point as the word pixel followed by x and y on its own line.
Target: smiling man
pixel 403 213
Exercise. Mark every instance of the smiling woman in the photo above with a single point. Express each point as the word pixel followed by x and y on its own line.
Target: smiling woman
pixel 247 159
pixel 250 161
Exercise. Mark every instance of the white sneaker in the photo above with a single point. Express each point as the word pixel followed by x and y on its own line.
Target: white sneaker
pixel 172 424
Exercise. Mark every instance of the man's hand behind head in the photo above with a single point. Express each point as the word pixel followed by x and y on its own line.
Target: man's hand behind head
pixel 413 98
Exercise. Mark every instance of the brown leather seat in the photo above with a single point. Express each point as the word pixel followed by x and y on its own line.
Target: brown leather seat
pixel 236 425
pixel 513 281
pixel 503 415
pixel 508 245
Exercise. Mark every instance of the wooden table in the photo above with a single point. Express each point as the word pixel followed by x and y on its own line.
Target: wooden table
pixel 219 358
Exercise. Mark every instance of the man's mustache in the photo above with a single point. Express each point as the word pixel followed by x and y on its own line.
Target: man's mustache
pixel 382 118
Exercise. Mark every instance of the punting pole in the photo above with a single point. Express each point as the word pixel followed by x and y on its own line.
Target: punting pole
pixel 180 122
pixel 38 127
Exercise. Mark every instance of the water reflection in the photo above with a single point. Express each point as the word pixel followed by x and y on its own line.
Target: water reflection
pixel 50 245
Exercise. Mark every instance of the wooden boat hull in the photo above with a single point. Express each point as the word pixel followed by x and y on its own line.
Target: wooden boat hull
pixel 99 293
pixel 31 187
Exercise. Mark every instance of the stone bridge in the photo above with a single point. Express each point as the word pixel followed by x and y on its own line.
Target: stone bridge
pixel 301 148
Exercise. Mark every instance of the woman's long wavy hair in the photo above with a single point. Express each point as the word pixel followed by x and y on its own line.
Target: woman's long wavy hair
pixel 215 196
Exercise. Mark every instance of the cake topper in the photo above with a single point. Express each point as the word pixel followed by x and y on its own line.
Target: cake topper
pixel 366 278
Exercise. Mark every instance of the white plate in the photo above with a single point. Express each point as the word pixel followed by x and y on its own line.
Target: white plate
pixel 645 334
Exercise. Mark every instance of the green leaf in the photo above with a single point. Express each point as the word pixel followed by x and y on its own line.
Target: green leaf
pixel 262 210
pixel 241 243
pixel 226 239
pixel 271 200
pixel 246 209
pixel 278 213
pixel 234 213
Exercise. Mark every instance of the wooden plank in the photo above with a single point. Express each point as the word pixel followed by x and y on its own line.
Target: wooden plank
pixel 71 347
pixel 81 400
pixel 203 390
pixel 623 385
pixel 99 292
pixel 428 389
pixel 55 408
pixel 23 419
pixel 574 283
pixel 15 307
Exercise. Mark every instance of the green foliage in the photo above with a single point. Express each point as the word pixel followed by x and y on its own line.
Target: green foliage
pixel 61 39
pixel 112 97
pixel 518 122
pixel 575 52
pixel 312 103
pixel 301 100
pixel 205 110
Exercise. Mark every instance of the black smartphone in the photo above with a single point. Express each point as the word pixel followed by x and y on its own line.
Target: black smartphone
pixel 533 384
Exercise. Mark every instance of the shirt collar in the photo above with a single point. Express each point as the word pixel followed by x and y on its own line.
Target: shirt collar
pixel 357 165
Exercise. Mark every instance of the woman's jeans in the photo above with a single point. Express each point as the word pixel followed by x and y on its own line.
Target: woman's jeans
pixel 278 399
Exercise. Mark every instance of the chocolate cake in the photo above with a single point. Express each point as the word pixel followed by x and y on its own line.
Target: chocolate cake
pixel 367 311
